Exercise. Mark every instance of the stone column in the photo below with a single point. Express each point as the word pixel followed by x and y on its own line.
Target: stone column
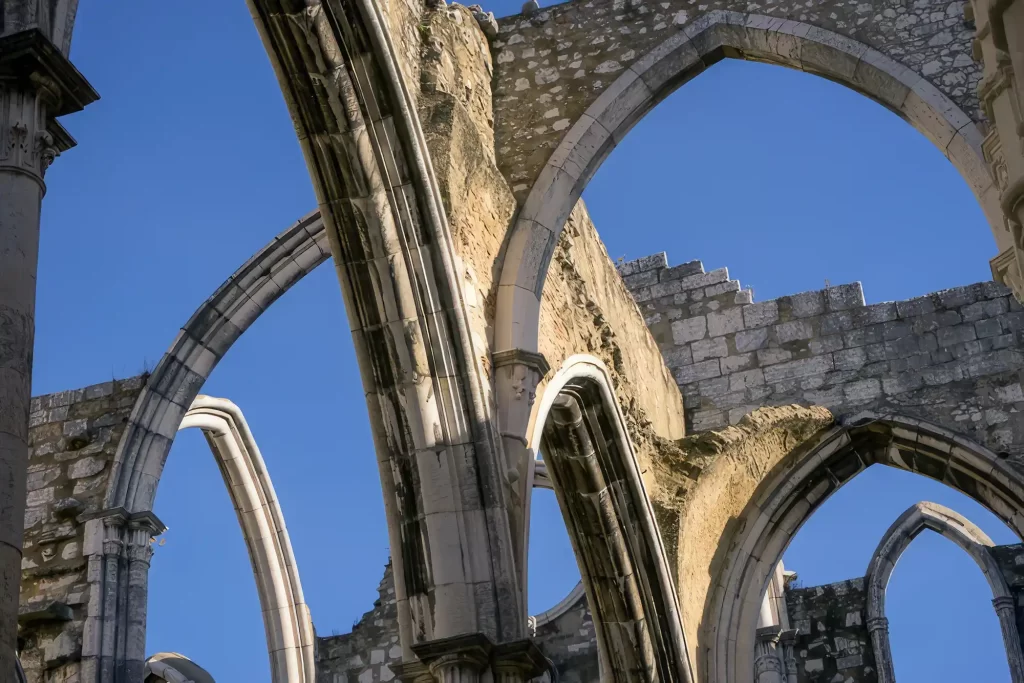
pixel 37 83
pixel 768 667
pixel 878 627
pixel 789 639
pixel 999 46
pixel 517 374
pixel 1006 610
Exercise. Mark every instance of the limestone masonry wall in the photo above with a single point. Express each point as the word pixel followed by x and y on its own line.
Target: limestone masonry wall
pixel 369 653
pixel 952 358
pixel 833 643
pixel 72 439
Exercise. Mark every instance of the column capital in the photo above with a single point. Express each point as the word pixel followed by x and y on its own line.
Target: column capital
pixel 877 624
pixel 473 650
pixel 531 359
pixel 1005 602
pixel 522 657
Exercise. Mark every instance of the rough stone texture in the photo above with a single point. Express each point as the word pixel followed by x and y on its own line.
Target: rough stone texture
pixel 833 643
pixel 707 484
pixel 585 307
pixel 953 358
pixel 552 65
pixel 369 652
pixel 72 439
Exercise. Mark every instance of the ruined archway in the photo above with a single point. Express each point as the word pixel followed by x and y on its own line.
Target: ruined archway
pixel 797 484
pixel 550 189
pixel 593 469
pixel 972 540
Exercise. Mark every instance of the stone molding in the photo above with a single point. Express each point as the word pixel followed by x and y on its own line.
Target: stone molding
pixel 803 480
pixel 588 452
pixel 593 136
pixel 286 617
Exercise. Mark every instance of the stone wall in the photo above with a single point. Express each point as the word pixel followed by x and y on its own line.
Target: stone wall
pixel 833 643
pixel 569 640
pixel 952 358
pixel 370 651
pixel 72 439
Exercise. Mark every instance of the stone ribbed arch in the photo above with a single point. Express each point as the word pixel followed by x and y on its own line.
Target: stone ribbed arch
pixel 286 619
pixel 596 478
pixel 201 343
pixel 961 531
pixel 596 112
pixel 790 489
pixel 446 489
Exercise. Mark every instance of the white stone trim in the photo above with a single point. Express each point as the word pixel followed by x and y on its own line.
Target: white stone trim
pixel 286 617
pixel 650 79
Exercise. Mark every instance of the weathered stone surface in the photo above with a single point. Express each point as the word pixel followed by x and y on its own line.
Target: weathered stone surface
pixel 832 642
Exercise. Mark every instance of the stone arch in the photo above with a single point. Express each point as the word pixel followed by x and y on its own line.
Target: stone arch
pixel 286 618
pixel 559 184
pixel 791 490
pixel 596 478
pixel 201 343
pixel 970 539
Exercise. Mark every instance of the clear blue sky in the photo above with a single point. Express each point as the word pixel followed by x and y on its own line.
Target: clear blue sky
pixel 189 164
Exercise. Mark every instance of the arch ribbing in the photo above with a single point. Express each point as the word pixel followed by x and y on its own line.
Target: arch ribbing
pixel 286 618
pixel 651 78
pixel 972 540
pixel 790 493
pixel 199 346
pixel 594 471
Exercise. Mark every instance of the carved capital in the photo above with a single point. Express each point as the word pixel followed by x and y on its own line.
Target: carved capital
pixel 525 369
pixel 519 660
pixel 458 659
pixel 37 83
pixel 1005 606
pixel 877 624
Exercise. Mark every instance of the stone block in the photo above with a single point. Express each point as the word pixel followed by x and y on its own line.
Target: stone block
pixel 942 374
pixel 726 322
pixel 751 340
pixel 873 334
pixel 761 314
pixel 689 330
pixel 956 297
pixel 749 378
pixel 844 297
pixel 957 334
pixel 772 356
pixel 896 329
pixel 994 362
pixel 850 359
pixel 807 304
pixel 678 355
pixel 722 288
pixel 704 420
pixel 990 308
pixel 638 280
pixel 737 363
pixel 834 323
pixel 663 289
pixel 874 314
pixel 798 368
pixel 712 388
pixel 915 307
pixel 862 390
pixel 681 271
pixel 793 330
pixel 703 280
pixel 703 349
pixel 988 328
pixel 933 321
pixel 652 262
pixel 697 371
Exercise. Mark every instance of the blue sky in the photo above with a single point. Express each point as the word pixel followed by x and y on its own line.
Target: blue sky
pixel 188 164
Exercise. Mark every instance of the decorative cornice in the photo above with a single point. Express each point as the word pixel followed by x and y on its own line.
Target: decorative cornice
pixel 531 359
pixel 31 57
pixel 521 655
pixel 473 649
pixel 120 517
